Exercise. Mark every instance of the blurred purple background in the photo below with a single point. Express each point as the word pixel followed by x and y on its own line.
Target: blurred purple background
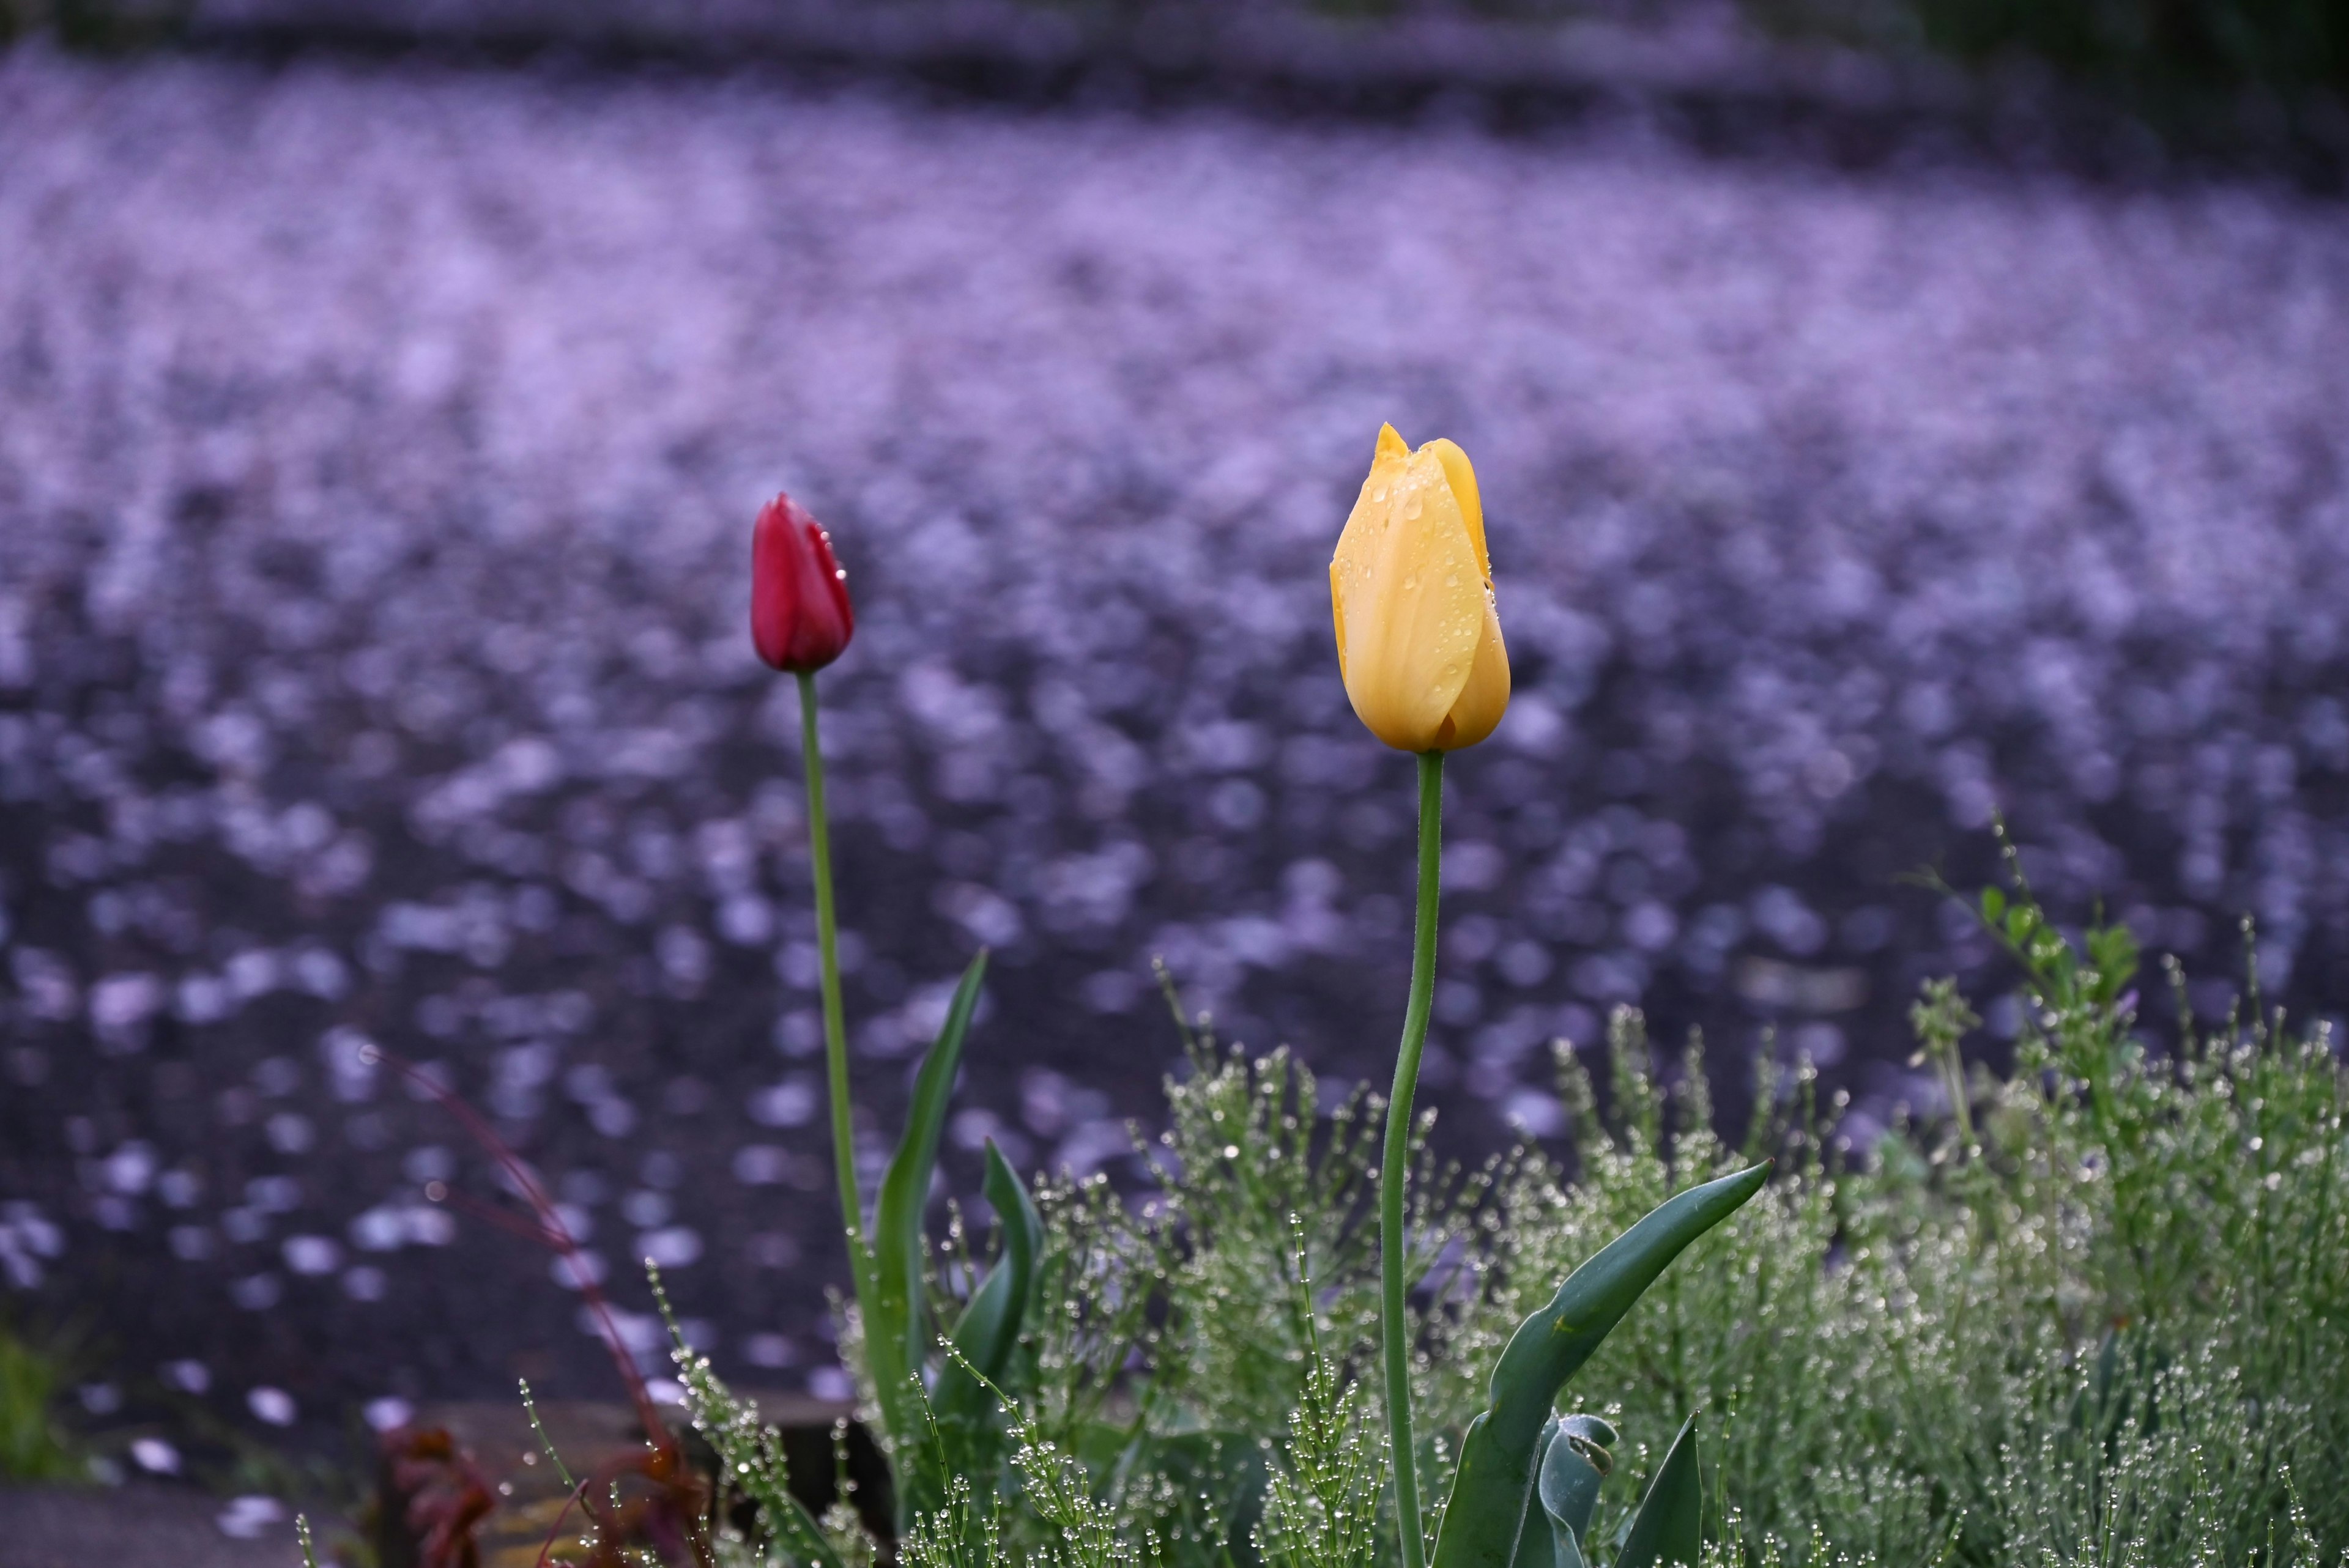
pixel 378 444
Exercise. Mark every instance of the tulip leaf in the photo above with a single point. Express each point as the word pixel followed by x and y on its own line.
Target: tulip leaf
pixel 966 1436
pixel 1538 1546
pixel 1573 1461
pixel 895 1323
pixel 1494 1483
pixel 988 1331
pixel 1572 1467
pixel 1669 1529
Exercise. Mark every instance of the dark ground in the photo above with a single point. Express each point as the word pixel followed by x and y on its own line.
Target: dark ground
pixel 141 1526
pixel 377 448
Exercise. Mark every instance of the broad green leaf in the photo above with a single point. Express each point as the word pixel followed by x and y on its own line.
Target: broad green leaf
pixel 895 1325
pixel 1537 1546
pixel 1669 1529
pixel 1572 1461
pixel 1494 1483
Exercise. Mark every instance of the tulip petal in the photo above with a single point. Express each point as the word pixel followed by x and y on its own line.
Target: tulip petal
pixel 1461 474
pixel 1410 599
pixel 1338 614
pixel 1477 711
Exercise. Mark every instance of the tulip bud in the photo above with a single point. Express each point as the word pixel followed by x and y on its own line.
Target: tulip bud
pixel 1419 640
pixel 799 614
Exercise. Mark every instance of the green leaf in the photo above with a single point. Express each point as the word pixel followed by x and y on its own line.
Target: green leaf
pixel 1495 1482
pixel 1669 1525
pixel 2113 949
pixel 1574 1461
pixel 1993 904
pixel 990 1325
pixel 1571 1470
pixel 988 1331
pixel 1536 1545
pixel 896 1327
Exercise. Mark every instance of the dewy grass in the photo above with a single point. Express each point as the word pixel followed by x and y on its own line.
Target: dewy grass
pixel 2095 1313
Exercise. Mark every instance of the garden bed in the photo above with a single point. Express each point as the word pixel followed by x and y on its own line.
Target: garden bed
pixel 334 628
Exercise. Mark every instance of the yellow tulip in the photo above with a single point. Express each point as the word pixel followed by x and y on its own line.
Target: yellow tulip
pixel 1419 639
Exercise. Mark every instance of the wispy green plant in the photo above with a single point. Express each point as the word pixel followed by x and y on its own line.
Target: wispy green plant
pixel 2095 1313
pixel 962 1532
pixel 1322 1496
pixel 749 1453
pixel 1878 1337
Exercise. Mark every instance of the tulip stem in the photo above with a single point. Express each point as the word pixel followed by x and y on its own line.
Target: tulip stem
pixel 1395 1328
pixel 836 1025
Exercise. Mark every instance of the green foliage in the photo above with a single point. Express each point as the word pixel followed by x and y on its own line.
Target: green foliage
pixel 749 1453
pixel 941 1428
pixel 1321 1501
pixel 1498 1457
pixel 1669 1526
pixel 538 1427
pixel 1577 1454
pixel 33 1445
pixel 896 1328
pixel 987 1339
pixel 1081 1528
pixel 961 1533
pixel 2097 1313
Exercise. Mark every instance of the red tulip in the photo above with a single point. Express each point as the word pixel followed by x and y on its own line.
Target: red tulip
pixel 799 614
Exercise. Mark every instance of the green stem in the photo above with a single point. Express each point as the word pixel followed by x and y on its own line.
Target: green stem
pixel 1395 1328
pixel 836 1025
